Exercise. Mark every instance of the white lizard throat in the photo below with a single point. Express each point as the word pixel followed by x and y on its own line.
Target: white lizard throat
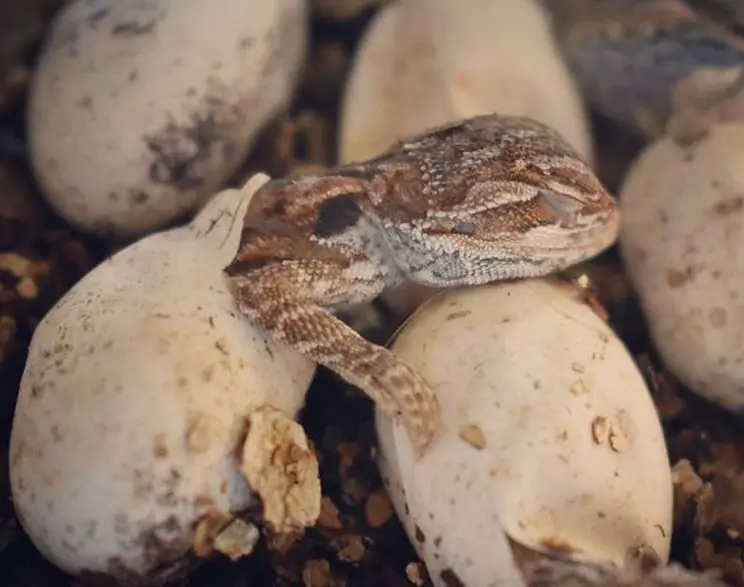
pixel 386 254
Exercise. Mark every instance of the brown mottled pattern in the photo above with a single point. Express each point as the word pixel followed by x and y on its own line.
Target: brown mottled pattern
pixel 453 159
pixel 483 199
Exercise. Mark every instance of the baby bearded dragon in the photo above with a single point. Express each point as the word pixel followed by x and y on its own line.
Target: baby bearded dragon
pixel 488 198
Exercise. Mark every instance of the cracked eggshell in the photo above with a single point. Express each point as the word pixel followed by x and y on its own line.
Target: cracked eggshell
pixel 141 403
pixel 549 434
pixel 681 241
pixel 423 63
pixel 140 110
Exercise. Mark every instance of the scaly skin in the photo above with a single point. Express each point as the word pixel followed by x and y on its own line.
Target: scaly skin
pixel 488 198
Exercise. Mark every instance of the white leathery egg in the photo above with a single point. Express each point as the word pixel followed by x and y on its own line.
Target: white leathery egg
pixel 682 244
pixel 423 63
pixel 140 110
pixel 150 411
pixel 549 435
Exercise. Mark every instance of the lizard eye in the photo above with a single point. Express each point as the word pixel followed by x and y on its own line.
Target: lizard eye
pixel 559 204
pixel 336 215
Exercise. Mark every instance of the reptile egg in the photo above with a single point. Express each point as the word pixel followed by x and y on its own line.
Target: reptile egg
pixel 683 209
pixel 422 63
pixel 150 412
pixel 139 111
pixel 549 435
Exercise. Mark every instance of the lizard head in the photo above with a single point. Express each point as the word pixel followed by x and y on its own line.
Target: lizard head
pixel 528 223
pixel 570 217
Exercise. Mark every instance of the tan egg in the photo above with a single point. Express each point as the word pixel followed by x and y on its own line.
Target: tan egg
pixel 151 413
pixel 422 63
pixel 140 110
pixel 683 210
pixel 549 436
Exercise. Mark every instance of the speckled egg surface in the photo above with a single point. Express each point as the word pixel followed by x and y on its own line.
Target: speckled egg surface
pixel 148 403
pixel 140 109
pixel 550 435
pixel 682 244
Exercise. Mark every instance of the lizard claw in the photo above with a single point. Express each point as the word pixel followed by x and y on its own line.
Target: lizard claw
pixel 421 415
pixel 403 392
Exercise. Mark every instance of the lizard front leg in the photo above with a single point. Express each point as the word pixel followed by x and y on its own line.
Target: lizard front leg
pixel 287 299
